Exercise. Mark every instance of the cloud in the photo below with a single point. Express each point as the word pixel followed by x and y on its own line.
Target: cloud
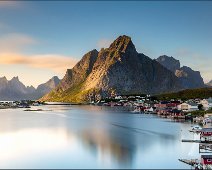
pixel 57 63
pixel 11 53
pixel 104 43
pixel 9 4
pixel 15 42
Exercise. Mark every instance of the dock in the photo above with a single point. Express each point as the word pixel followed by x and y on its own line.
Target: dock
pixel 191 140
pixel 193 162
pixel 196 141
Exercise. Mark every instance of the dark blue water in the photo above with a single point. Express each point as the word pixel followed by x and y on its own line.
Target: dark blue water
pixel 91 137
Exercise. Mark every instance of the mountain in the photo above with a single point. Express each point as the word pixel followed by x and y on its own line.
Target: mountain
pixel 15 90
pixel 119 69
pixel 169 62
pixel 187 77
pixel 209 83
pixel 48 86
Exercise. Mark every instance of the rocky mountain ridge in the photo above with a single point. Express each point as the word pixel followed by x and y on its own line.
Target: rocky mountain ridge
pixel 119 69
pixel 14 89
pixel 187 77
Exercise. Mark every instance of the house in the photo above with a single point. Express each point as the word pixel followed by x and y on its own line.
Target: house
pixel 189 106
pixel 204 102
pixel 177 114
pixel 206 161
pixel 193 106
pixel 162 104
pixel 207 122
pixel 206 135
pixel 183 106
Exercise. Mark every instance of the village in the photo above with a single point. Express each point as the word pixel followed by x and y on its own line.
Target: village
pixel 198 111
pixel 193 109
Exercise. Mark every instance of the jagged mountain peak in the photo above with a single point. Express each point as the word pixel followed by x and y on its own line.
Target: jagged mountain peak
pixel 55 79
pixel 3 79
pixel 16 78
pixel 169 62
pixel 123 43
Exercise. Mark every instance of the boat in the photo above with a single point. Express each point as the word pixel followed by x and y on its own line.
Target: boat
pixel 196 129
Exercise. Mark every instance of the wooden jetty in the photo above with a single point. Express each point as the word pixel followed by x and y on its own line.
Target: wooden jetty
pixel 191 140
pixel 193 162
pixel 196 141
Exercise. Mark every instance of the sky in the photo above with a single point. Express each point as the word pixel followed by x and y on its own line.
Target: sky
pixel 41 39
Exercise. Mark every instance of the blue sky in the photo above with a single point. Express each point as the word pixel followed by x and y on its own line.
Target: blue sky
pixel 46 38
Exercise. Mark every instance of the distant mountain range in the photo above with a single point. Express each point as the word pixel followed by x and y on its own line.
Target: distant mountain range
pixel 15 90
pixel 120 69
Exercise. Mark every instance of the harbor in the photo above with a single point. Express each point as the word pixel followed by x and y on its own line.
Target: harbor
pixel 205 148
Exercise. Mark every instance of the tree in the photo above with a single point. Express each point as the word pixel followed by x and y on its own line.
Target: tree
pixel 200 107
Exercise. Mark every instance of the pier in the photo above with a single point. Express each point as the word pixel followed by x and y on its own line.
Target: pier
pixel 191 140
pixel 191 162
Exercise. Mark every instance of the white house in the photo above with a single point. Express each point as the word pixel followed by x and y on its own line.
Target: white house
pixel 183 106
pixel 204 102
pixel 190 106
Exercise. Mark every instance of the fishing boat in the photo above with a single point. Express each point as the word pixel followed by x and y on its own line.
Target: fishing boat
pixel 196 129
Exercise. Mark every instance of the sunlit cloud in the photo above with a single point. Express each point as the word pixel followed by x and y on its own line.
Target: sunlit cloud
pixel 15 42
pixel 15 62
pixel 104 43
pixel 9 4
pixel 57 63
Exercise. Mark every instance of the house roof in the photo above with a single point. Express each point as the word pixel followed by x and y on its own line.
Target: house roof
pixel 164 102
pixel 176 111
pixel 192 103
pixel 206 130
pixel 206 156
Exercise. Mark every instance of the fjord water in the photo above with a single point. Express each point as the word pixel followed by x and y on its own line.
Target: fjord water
pixel 91 137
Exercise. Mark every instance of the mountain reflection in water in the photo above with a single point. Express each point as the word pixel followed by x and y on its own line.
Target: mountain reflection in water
pixel 90 137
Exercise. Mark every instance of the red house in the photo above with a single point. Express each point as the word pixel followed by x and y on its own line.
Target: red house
pixel 206 161
pixel 206 134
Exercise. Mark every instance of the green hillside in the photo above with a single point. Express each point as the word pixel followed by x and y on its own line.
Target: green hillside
pixel 187 94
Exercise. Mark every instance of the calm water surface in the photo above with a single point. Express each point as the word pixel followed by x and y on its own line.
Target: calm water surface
pixel 91 137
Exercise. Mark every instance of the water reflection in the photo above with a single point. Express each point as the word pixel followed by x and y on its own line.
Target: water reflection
pixel 104 146
pixel 101 138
